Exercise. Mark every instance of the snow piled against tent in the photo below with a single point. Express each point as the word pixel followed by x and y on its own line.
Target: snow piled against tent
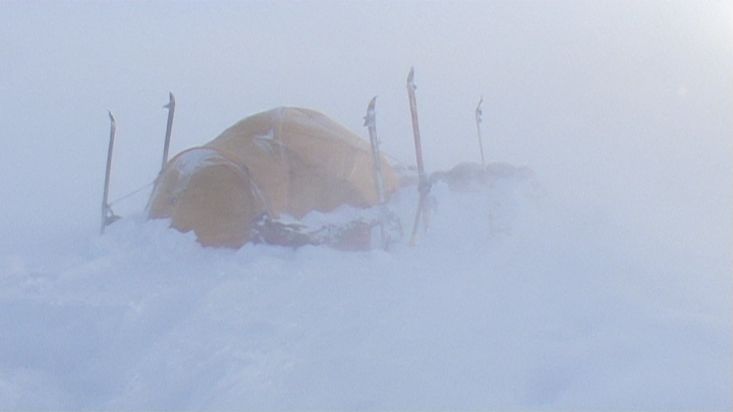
pixel 509 301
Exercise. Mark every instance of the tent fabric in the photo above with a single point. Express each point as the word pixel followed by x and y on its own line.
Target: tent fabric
pixel 286 161
pixel 204 190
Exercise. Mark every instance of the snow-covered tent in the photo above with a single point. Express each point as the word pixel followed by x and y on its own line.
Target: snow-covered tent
pixel 286 161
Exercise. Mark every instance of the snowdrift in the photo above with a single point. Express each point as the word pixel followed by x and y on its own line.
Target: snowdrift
pixel 509 301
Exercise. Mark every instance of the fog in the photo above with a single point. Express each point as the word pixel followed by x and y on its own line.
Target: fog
pixel 623 103
pixel 622 109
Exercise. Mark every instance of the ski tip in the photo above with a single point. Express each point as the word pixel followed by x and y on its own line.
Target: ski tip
pixel 111 116
pixel 372 103
pixel 369 118
pixel 411 75
pixel 171 101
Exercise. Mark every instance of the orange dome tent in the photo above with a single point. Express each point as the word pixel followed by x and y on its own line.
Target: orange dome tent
pixel 286 161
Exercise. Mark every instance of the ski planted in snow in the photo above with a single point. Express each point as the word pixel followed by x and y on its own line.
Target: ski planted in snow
pixel 479 112
pixel 370 121
pixel 108 215
pixel 171 106
pixel 423 184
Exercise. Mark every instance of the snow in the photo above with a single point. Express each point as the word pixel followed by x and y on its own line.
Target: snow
pixel 509 301
pixel 188 163
pixel 267 143
pixel 607 288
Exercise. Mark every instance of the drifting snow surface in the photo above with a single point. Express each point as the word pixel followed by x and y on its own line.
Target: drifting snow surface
pixel 507 302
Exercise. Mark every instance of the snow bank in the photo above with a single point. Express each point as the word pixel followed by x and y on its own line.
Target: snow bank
pixel 510 300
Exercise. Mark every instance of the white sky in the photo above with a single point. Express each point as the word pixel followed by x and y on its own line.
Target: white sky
pixel 624 106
